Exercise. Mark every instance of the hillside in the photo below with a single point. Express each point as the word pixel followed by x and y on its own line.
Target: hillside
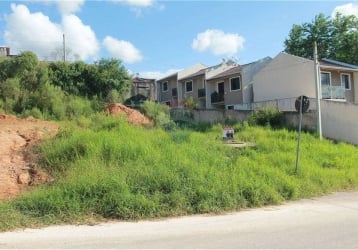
pixel 18 171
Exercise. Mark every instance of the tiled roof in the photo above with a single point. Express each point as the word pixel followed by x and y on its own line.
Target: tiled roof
pixel 198 73
pixel 332 63
pixel 231 71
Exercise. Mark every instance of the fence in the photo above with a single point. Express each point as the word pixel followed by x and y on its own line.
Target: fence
pixel 286 104
pixel 339 119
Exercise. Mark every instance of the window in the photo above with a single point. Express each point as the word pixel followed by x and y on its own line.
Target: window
pixel 235 84
pixel 189 86
pixel 346 81
pixel 325 79
pixel 164 86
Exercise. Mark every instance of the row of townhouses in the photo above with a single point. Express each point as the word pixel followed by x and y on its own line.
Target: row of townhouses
pixel 279 80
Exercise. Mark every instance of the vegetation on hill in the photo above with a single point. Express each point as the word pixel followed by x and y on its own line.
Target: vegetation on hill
pixel 110 169
pixel 59 90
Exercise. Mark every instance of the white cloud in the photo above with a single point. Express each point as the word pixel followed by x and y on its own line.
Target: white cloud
pixel 218 42
pixel 69 7
pixel 36 32
pixel 80 38
pixel 137 3
pixel 31 31
pixel 65 7
pixel 346 10
pixel 157 74
pixel 123 50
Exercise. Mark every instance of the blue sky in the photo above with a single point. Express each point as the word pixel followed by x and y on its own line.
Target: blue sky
pixel 154 38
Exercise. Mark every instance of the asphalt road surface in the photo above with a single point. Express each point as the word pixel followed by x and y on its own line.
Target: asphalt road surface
pixel 325 222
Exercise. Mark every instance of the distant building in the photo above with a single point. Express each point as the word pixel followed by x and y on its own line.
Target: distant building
pixel 4 51
pixel 142 89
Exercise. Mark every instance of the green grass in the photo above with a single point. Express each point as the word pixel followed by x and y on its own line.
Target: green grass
pixel 108 169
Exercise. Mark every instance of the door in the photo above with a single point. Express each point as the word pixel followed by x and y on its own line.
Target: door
pixel 221 89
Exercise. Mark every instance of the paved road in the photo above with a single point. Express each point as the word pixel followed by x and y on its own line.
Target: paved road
pixel 326 222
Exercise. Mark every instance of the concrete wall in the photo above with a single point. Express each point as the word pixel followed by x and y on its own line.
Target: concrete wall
pixel 286 76
pixel 248 72
pixel 309 120
pixel 214 116
pixel 340 121
pixel 355 87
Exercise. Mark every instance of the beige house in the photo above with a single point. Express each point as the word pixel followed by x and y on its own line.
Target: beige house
pixel 170 91
pixel 194 86
pixel 287 76
pixel 232 89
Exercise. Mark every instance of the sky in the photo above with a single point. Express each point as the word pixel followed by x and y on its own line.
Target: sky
pixel 154 38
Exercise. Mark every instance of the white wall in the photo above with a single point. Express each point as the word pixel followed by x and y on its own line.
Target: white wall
pixel 248 72
pixel 340 121
pixel 286 76
pixel 355 87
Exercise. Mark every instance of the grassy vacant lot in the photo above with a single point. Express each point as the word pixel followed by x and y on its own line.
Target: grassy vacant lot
pixel 108 169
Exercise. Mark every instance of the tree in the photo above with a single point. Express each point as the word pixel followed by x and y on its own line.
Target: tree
pixel 345 38
pixel 105 78
pixel 336 38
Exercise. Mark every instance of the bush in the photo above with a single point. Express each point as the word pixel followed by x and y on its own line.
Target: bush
pixel 34 112
pixel 158 113
pixel 268 116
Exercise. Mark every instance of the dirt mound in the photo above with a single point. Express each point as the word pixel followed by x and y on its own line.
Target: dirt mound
pixel 133 116
pixel 18 170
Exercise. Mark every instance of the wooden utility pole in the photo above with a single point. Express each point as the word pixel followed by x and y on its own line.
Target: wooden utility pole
pixel 64 47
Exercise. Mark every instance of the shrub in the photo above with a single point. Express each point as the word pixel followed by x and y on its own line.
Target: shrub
pixel 158 113
pixel 268 116
pixel 34 112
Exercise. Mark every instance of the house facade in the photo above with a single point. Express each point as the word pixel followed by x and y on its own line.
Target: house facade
pixel 225 89
pixel 194 88
pixel 223 86
pixel 232 89
pixel 288 76
pixel 170 90
pixel 339 80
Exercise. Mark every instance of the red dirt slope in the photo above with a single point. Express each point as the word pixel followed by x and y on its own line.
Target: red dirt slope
pixel 133 116
pixel 17 170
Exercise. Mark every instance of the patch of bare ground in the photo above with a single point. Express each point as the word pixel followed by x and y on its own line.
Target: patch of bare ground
pixel 18 169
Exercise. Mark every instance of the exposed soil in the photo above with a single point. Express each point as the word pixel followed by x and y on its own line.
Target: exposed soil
pixel 18 170
pixel 133 116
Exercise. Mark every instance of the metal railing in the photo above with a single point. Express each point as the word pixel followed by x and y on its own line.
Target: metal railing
pixel 333 92
pixel 217 97
pixel 201 93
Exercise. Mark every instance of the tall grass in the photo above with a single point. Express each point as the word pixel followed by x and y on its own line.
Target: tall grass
pixel 111 169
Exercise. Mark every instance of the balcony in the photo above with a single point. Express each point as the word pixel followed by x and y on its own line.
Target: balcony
pixel 333 92
pixel 217 97
pixel 201 93
pixel 174 92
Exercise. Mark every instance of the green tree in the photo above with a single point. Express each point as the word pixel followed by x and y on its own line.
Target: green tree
pixel 105 79
pixel 345 38
pixel 112 76
pixel 336 38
